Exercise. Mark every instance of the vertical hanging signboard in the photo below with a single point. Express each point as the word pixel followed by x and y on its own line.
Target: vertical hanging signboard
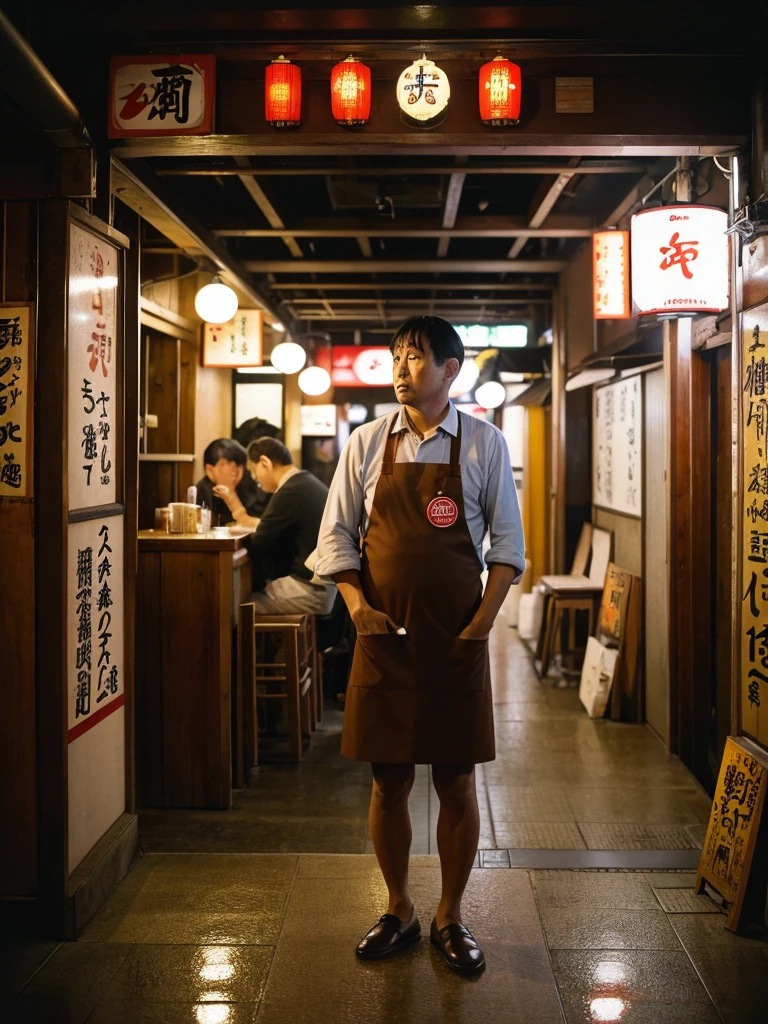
pixel 93 369
pixel 754 557
pixel 16 404
pixel 617 447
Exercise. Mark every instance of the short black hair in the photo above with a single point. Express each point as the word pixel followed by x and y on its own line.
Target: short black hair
pixel 442 337
pixel 274 450
pixel 225 448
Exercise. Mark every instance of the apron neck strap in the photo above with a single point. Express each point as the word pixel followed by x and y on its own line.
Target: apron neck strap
pixel 390 449
pixel 456 448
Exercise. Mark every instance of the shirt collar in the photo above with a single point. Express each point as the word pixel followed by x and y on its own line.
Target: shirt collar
pixel 450 424
pixel 287 476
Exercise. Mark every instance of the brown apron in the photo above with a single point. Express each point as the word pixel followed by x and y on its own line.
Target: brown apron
pixel 422 698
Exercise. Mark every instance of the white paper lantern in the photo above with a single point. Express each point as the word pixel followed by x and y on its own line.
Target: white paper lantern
pixel 314 380
pixel 423 92
pixel 466 379
pixel 679 260
pixel 216 303
pixel 288 357
pixel 491 394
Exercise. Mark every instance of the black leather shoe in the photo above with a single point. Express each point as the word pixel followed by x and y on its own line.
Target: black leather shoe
pixel 457 947
pixel 386 936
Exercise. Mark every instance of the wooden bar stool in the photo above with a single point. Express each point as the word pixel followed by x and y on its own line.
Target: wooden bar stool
pixel 295 674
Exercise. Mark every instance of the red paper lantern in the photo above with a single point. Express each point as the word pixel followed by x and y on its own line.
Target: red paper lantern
pixel 282 94
pixel 351 92
pixel 500 93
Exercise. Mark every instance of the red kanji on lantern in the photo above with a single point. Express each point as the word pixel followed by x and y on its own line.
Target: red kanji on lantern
pixel 351 92
pixel 500 93
pixel 282 94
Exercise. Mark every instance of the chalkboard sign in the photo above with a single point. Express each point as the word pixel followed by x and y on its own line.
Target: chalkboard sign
pixel 617 447
pixel 734 823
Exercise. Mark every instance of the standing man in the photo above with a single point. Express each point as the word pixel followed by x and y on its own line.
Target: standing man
pixel 410 504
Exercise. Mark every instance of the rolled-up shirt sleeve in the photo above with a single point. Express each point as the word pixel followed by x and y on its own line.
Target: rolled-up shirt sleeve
pixel 502 510
pixel 338 543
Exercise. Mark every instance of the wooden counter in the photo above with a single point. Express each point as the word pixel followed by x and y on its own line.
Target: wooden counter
pixel 188 590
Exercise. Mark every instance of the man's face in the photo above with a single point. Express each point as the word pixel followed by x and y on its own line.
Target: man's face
pixel 417 378
pixel 225 472
pixel 263 472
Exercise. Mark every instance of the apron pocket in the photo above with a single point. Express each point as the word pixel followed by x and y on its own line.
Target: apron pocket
pixel 468 665
pixel 380 661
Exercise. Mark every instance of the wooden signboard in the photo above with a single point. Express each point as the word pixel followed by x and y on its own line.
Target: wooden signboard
pixel 754 543
pixel 619 623
pixel 237 343
pixel 17 348
pixel 729 845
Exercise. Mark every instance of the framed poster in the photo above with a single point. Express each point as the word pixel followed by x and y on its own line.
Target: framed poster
pixel 94 358
pixel 237 344
pixel 17 376
pixel 617 438
pixel 161 95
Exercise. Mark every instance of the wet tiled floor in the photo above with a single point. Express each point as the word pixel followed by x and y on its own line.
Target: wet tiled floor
pixel 253 915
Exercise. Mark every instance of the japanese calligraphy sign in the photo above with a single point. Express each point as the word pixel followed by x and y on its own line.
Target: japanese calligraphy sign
pixel 160 95
pixel 16 399
pixel 94 360
pixel 734 822
pixel 679 260
pixel 754 557
pixel 237 343
pixel 617 447
pixel 610 275
pixel 94 620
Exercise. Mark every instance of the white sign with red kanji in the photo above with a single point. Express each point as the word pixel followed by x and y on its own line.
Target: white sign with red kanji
pixel 162 95
pixel 679 260
pixel 93 369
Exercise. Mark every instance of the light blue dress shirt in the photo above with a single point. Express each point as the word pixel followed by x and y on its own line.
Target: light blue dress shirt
pixel 490 498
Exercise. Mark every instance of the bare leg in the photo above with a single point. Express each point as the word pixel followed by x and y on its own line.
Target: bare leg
pixel 390 827
pixel 458 831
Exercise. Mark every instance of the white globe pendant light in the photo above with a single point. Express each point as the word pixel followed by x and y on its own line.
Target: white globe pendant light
pixel 466 379
pixel 288 357
pixel 491 395
pixel 216 303
pixel 314 380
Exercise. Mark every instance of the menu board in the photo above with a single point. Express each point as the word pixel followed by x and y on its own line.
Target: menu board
pixel 734 823
pixel 93 369
pixel 16 400
pixel 754 555
pixel 94 622
pixel 237 343
pixel 617 447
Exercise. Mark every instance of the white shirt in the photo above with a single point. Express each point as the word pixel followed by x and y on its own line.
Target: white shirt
pixel 490 498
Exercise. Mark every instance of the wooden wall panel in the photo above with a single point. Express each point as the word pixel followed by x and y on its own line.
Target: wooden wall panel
pixel 18 791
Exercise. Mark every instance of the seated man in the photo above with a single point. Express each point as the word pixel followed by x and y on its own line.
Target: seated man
pixel 225 461
pixel 286 534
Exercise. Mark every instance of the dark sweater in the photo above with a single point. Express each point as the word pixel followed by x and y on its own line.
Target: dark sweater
pixel 248 491
pixel 288 530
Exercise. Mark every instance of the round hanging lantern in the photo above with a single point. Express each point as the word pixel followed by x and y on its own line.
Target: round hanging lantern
pixel 314 380
pixel 216 303
pixel 491 395
pixel 282 94
pixel 500 93
pixel 351 93
pixel 423 92
pixel 288 357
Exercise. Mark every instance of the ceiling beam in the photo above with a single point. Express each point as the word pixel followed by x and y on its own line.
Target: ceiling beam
pixel 433 266
pixel 364 242
pixel 484 227
pixel 613 167
pixel 450 212
pixel 370 316
pixel 143 193
pixel 407 286
pixel 363 300
pixel 542 205
pixel 259 196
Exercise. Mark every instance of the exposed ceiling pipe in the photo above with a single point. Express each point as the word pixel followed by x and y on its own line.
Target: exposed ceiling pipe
pixel 31 86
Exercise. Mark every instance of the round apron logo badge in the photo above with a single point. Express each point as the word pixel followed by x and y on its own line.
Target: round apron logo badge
pixel 442 512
